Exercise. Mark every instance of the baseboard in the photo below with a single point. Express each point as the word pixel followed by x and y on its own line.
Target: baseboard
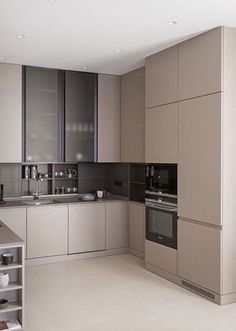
pixel 137 253
pixel 75 257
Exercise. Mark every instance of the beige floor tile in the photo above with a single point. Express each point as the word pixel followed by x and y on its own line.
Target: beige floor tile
pixel 115 293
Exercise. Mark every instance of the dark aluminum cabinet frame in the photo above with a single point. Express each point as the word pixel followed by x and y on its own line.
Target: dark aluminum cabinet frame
pixel 80 116
pixel 59 116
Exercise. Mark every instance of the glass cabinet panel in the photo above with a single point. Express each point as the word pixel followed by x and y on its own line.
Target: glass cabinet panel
pixel 80 114
pixel 42 115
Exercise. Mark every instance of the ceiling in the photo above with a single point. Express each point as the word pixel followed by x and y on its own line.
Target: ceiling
pixel 85 34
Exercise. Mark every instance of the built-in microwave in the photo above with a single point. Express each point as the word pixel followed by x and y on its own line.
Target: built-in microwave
pixel 162 178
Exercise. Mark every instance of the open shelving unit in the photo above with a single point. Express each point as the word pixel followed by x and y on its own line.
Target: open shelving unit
pixel 137 182
pixel 14 292
pixel 54 183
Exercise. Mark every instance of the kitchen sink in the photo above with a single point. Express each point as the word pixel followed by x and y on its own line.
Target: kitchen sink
pixel 39 202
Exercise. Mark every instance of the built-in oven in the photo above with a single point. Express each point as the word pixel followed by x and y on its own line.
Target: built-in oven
pixel 161 222
pixel 162 178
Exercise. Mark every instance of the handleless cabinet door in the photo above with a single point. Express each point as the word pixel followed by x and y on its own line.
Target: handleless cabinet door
pixel 161 134
pixel 47 231
pixel 80 116
pixel 199 255
pixel 11 113
pixel 42 115
pixel 200 65
pixel 161 78
pixel 133 116
pixel 108 118
pixel 199 159
pixel 136 226
pixel 116 225
pixel 87 228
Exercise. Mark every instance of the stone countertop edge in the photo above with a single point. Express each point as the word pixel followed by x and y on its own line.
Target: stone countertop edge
pixel 19 203
pixel 8 237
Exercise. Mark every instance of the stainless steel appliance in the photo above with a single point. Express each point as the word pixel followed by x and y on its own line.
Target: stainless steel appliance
pixel 161 204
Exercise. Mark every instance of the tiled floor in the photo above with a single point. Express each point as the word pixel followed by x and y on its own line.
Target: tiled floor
pixel 115 294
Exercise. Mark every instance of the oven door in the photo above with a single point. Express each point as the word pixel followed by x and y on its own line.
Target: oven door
pixel 161 225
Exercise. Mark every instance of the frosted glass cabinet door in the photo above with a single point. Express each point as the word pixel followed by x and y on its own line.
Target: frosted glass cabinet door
pixel 80 104
pixel 42 115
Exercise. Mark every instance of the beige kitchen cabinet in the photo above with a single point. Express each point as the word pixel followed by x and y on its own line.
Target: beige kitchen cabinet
pixel 15 219
pixel 108 118
pixel 87 228
pixel 161 134
pixel 161 256
pixel 133 116
pixel 199 255
pixel 116 225
pixel 199 159
pixel 200 61
pixel 161 78
pixel 47 231
pixel 136 226
pixel 11 113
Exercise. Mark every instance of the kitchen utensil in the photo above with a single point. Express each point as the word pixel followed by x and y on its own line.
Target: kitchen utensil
pixel 3 303
pixel 7 258
pixel 4 279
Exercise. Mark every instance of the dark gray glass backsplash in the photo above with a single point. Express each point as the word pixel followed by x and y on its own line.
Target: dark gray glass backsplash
pixel 112 177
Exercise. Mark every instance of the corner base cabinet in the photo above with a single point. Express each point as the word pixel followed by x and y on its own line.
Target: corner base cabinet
pixel 47 231
pixel 116 225
pixel 86 228
pixel 136 226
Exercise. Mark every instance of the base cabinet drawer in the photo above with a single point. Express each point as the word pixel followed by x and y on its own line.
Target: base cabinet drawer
pixel 116 225
pixel 87 228
pixel 47 231
pixel 199 256
pixel 161 256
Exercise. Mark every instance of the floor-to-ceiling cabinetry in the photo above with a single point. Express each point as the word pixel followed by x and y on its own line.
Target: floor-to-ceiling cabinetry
pixel 205 138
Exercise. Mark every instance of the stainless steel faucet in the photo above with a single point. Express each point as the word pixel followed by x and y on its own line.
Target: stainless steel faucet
pixel 37 192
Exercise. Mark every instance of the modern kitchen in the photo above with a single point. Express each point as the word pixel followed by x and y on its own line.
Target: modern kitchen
pixel 117 179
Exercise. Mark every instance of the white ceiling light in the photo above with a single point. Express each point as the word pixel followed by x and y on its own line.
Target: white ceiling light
pixel 84 67
pixel 2 58
pixel 20 36
pixel 173 22
pixel 118 50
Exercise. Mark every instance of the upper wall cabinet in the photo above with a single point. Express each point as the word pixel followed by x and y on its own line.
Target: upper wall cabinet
pixel 42 115
pixel 199 159
pixel 80 116
pixel 11 113
pixel 161 78
pixel 161 134
pixel 133 116
pixel 108 118
pixel 200 64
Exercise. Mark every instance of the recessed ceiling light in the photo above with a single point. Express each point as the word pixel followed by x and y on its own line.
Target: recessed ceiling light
pixel 2 58
pixel 118 50
pixel 20 36
pixel 173 22
pixel 84 67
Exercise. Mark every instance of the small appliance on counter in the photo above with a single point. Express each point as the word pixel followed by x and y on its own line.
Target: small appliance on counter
pixel 161 204
pixel 1 194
